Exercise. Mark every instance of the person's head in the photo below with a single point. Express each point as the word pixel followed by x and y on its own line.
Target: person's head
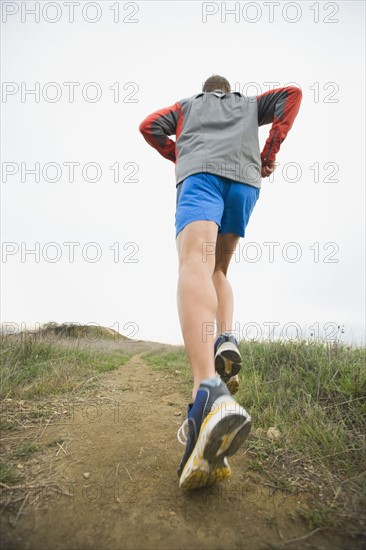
pixel 216 82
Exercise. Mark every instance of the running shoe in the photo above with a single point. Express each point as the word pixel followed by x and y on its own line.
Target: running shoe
pixel 217 426
pixel 227 356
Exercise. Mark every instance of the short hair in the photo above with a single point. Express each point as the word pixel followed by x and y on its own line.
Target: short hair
pixel 216 82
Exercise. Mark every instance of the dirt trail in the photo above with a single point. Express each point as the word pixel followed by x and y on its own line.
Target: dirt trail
pixel 117 485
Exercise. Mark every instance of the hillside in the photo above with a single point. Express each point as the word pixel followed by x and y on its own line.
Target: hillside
pixel 89 450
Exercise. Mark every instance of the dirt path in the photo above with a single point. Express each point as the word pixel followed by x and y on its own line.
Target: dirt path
pixel 116 487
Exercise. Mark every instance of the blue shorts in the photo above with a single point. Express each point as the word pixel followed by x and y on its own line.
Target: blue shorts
pixel 205 196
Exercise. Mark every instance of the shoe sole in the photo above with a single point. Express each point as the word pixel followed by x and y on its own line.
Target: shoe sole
pixel 227 361
pixel 222 433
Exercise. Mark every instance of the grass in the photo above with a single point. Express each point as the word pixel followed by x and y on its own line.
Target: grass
pixel 170 361
pixel 33 367
pixel 315 395
pixel 317 517
pixel 27 449
pixel 8 474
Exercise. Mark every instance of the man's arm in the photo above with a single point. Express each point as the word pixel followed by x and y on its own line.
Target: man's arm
pixel 158 126
pixel 279 106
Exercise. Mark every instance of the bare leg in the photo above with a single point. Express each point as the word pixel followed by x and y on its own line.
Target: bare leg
pixel 225 248
pixel 196 297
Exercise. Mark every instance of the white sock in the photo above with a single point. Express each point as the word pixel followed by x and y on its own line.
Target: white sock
pixel 213 382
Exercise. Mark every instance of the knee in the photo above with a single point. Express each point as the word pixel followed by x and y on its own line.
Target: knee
pixel 193 261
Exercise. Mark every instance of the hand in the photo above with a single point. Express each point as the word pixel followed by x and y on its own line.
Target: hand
pixel 268 168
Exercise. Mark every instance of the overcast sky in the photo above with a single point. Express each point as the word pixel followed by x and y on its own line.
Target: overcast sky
pixel 97 69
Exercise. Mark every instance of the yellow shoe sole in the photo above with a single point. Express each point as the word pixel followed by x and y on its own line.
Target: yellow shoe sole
pixel 222 432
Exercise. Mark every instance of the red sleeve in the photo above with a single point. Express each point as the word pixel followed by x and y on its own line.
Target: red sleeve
pixel 279 106
pixel 158 126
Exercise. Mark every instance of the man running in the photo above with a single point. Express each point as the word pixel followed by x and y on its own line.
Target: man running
pixel 218 170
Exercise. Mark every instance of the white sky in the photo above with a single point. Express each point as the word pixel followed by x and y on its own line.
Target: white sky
pixel 168 52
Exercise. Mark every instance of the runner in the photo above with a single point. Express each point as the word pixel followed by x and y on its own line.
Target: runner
pixel 218 171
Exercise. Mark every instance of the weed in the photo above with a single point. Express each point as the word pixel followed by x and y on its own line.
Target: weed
pixel 8 474
pixel 26 449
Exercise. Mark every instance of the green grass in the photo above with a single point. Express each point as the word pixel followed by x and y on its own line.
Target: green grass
pixel 8 474
pixel 27 449
pixel 174 362
pixel 168 360
pixel 317 517
pixel 36 368
pixel 313 394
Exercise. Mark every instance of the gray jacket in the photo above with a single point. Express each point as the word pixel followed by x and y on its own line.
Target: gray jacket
pixel 217 132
